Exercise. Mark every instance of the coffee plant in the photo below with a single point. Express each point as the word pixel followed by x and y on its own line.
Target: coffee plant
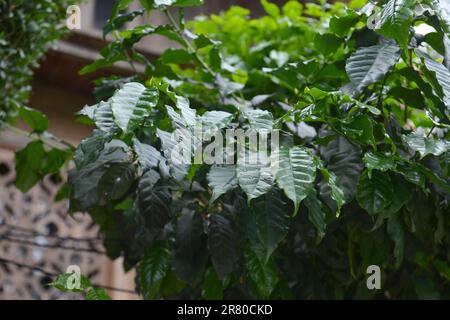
pixel 360 96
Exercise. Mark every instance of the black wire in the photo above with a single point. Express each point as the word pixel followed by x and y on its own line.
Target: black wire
pixel 48 235
pixel 31 243
pixel 51 274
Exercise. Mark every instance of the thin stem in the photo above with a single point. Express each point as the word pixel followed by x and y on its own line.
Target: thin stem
pixel 127 55
pixel 432 128
pixel 188 43
pixel 50 140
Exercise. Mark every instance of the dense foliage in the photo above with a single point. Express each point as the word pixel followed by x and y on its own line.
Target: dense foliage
pixel 361 97
pixel 27 28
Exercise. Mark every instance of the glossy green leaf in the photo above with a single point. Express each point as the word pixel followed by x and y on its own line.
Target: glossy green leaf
pixel 426 146
pixel 222 179
pixel 153 269
pixel 395 20
pixel 374 194
pixel 369 65
pixel 37 121
pixel 132 104
pixel 222 244
pixel 295 172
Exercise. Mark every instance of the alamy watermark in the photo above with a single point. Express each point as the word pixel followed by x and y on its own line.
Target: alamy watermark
pixel 204 145
pixel 73 21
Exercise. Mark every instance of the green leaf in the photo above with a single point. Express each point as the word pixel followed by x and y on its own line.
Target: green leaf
pixel 153 268
pixel 396 231
pixel 254 173
pixel 222 243
pixel 361 129
pixel 221 179
pixel 259 119
pixel 104 118
pixel 271 8
pixel 153 203
pixel 67 282
pixel 369 65
pixel 315 213
pixel 344 160
pixel 132 104
pixel 83 182
pixel 426 146
pixel 117 21
pixel 395 20
pixel 376 193
pixel 212 288
pixel 327 43
pixel 295 172
pixel 190 247
pixel 97 294
pixel 341 25
pixel 212 121
pixel 148 156
pixel 263 274
pixel 33 163
pixel 177 56
pixel 336 193
pixel 115 182
pixel 272 218
pixel 163 4
pixel 178 169
pixel 379 161
pixel 441 73
pixel 35 119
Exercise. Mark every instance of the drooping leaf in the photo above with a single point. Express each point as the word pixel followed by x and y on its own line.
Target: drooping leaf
pixel 344 159
pixel 174 152
pixel 104 118
pixel 212 288
pixel 272 217
pixel 153 203
pixel 222 179
pixel 316 215
pixel 395 20
pixel 153 269
pixel 148 156
pixel 83 182
pixel 442 75
pixel 369 65
pixel 259 119
pixel 376 193
pixel 295 172
pixel 35 119
pixel 115 182
pixel 222 243
pixel 262 272
pixel 190 247
pixel 132 104
pixel 336 193
pixel 254 173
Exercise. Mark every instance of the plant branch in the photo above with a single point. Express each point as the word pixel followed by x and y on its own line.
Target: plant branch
pixel 50 140
pixel 188 43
